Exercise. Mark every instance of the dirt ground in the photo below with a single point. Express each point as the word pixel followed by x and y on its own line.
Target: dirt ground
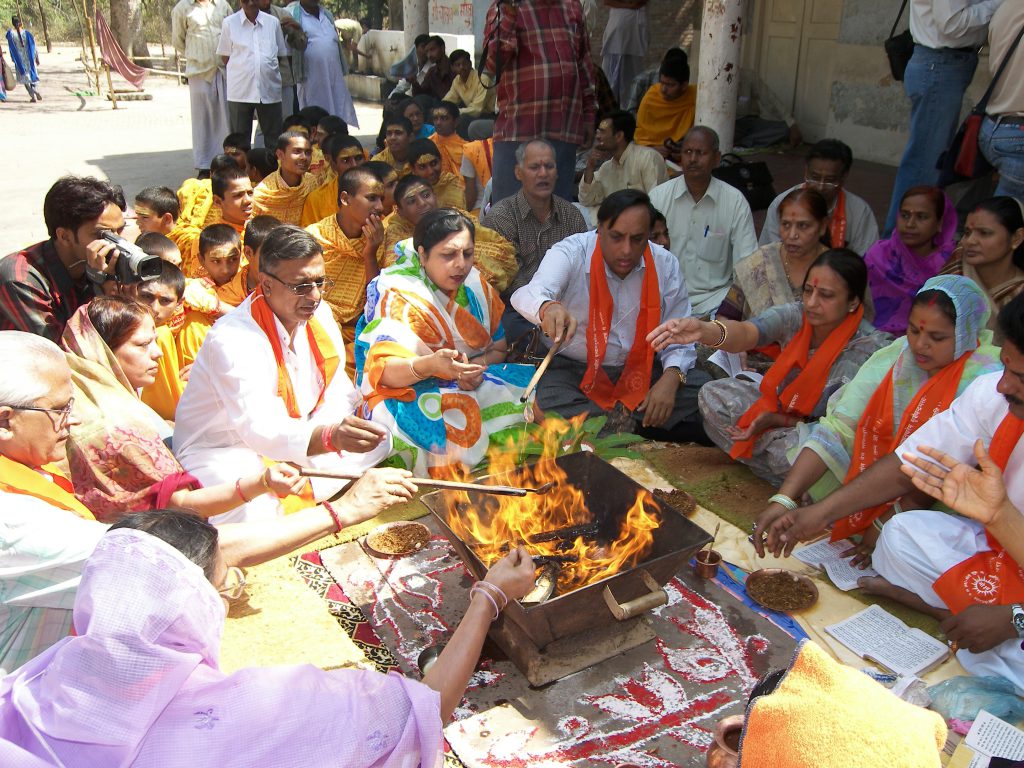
pixel 140 144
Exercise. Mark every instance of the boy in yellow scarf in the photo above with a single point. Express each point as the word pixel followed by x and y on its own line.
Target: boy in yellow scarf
pixel 342 152
pixel 283 193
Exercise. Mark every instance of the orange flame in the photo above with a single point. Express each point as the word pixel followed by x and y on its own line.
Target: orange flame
pixel 491 528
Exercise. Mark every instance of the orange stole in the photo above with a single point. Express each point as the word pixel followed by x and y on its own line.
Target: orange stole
pixel 992 577
pixel 635 380
pixel 805 390
pixel 874 440
pixel 15 477
pixel 480 155
pixel 343 263
pixel 324 353
pixel 837 227
pixel 451 152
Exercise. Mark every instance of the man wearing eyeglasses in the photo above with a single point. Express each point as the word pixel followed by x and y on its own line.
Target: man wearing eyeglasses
pixel 852 222
pixel 352 241
pixel 269 383
pixel 46 533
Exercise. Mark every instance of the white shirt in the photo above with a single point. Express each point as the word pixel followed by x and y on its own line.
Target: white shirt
pixel 42 551
pixel 564 276
pixel 253 73
pixel 230 414
pixel 708 236
pixel 951 23
pixel 195 30
pixel 861 225
pixel 974 415
pixel 639 168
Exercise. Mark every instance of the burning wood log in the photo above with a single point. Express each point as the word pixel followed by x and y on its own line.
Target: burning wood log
pixel 539 560
pixel 588 530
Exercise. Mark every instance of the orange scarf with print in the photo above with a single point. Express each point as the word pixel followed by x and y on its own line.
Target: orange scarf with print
pixel 635 380
pixel 15 477
pixel 324 353
pixel 804 392
pixel 837 227
pixel 991 577
pixel 873 439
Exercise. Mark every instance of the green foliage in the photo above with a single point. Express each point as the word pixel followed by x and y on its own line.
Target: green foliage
pixel 556 436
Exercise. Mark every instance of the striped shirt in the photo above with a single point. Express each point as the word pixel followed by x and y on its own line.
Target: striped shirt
pixel 37 295
pixel 42 551
pixel 541 54
pixel 195 32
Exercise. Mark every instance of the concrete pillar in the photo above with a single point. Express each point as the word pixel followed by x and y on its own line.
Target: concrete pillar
pixel 718 79
pixel 416 15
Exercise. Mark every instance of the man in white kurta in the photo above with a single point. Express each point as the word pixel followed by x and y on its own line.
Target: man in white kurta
pixel 320 75
pixel 624 45
pixel 231 415
pixel 915 548
pixel 195 32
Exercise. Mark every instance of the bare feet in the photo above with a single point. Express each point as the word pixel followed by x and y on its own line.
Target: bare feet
pixel 879 585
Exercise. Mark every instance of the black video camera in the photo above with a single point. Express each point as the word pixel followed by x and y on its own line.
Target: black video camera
pixel 133 265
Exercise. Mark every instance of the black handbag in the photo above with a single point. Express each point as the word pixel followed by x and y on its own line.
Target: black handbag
pixel 899 48
pixel 754 180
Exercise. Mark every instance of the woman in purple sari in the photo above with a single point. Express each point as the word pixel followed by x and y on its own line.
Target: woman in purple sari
pixel 140 684
pixel 916 251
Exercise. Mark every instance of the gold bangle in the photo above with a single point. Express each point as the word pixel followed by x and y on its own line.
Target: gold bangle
pixel 412 367
pixel 264 482
pixel 725 335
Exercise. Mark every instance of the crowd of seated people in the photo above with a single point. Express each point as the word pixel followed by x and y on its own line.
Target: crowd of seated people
pixel 316 309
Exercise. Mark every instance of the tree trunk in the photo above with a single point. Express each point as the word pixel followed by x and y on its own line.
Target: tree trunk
pixel 46 31
pixel 126 23
pixel 395 14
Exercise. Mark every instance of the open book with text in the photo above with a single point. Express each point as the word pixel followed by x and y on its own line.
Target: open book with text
pixel 876 635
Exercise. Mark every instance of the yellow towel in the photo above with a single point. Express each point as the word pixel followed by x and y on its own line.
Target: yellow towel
pixel 826 714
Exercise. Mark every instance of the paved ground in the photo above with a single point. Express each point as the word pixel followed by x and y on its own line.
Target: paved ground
pixel 140 144
pixel 149 142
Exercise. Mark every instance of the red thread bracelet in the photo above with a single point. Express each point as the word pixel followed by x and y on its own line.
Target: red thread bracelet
pixel 334 516
pixel 327 439
pixel 238 489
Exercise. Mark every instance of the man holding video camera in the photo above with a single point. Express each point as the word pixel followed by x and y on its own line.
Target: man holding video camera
pixel 43 285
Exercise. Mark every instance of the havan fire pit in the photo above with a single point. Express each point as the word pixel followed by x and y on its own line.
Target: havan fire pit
pixel 578 625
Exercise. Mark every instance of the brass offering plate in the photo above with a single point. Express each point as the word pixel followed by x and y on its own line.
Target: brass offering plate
pixel 781 590
pixel 397 539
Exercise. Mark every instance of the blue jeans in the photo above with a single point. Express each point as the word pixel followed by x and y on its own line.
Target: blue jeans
pixel 1002 144
pixel 935 83
pixel 503 178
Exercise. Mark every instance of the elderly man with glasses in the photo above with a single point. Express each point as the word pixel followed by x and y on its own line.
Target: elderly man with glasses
pixel 270 383
pixel 852 222
pixel 47 533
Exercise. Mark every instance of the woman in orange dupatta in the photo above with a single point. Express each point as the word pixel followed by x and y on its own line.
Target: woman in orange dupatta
pixel 824 341
pixel 903 385
pixel 117 453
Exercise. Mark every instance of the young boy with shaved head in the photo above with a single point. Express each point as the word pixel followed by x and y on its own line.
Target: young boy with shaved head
pixel 352 241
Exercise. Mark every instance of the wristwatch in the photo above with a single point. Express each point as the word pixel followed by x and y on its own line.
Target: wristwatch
pixel 1018 621
pixel 679 373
